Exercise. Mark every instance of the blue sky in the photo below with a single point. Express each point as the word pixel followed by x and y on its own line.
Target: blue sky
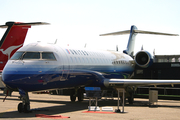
pixel 76 22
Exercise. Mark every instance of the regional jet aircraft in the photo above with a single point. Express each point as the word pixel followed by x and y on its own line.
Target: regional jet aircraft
pixel 37 67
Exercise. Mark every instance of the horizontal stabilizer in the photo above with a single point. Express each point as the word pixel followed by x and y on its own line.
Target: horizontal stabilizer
pixel 116 33
pixel 21 24
pixel 138 31
pixel 155 33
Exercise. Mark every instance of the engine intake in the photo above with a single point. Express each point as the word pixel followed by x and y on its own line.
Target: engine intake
pixel 143 59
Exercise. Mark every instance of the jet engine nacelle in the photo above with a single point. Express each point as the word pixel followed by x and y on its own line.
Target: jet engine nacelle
pixel 143 59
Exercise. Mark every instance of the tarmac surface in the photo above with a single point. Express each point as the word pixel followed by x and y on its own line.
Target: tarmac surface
pixel 61 105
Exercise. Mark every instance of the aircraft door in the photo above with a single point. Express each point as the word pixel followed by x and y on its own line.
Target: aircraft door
pixel 65 73
pixel 65 66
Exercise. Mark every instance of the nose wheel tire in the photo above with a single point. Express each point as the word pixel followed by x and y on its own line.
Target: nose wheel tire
pixel 73 98
pixel 23 108
pixel 20 107
pixel 26 108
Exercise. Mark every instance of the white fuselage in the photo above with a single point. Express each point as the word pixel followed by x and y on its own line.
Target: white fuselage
pixel 69 66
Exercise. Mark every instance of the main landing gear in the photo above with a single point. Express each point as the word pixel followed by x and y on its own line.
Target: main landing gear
pixel 77 93
pixel 24 106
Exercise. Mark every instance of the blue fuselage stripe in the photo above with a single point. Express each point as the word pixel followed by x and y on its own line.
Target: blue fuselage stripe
pixel 46 77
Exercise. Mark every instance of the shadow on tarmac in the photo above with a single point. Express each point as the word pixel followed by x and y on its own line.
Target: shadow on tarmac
pixel 67 106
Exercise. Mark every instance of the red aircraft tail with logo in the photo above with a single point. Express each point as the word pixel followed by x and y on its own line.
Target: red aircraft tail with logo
pixel 13 39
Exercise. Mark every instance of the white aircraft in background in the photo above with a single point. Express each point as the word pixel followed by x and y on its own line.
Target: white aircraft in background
pixel 37 67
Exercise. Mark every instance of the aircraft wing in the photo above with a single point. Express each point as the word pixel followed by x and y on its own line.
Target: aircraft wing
pixel 139 82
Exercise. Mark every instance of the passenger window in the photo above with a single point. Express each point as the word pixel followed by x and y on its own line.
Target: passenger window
pixel 31 55
pixel 71 51
pixel 75 52
pixel 48 55
pixel 80 52
pixel 83 52
pixel 17 56
pixel 86 52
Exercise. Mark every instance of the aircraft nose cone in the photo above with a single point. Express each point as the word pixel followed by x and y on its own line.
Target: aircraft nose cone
pixel 10 77
pixel 6 78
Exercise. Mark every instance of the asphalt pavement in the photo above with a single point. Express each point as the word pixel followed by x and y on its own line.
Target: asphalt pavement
pixel 56 105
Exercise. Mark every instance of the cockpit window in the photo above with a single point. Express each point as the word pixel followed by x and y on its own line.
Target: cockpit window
pixel 31 55
pixel 17 56
pixel 48 55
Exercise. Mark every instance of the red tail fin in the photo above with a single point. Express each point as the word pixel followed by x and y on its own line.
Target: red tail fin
pixel 13 39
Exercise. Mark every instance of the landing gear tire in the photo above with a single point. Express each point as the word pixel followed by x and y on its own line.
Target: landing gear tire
pixel 26 108
pixel 80 96
pixel 77 92
pixel 131 100
pixel 72 96
pixel 20 107
pixel 23 108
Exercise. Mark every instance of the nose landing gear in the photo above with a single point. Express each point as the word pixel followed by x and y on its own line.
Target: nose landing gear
pixel 24 106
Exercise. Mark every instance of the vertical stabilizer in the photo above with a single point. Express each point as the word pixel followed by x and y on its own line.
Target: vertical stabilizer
pixel 130 46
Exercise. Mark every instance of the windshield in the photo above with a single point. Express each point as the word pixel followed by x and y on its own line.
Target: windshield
pixel 31 55
pixel 17 55
pixel 48 55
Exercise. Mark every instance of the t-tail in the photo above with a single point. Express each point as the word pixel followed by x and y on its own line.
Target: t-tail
pixel 13 39
pixel 133 32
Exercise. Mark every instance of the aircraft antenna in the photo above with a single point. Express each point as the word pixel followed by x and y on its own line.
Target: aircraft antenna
pixel 85 45
pixel 55 41
pixel 116 47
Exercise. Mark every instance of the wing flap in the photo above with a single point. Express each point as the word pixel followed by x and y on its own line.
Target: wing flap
pixel 139 82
